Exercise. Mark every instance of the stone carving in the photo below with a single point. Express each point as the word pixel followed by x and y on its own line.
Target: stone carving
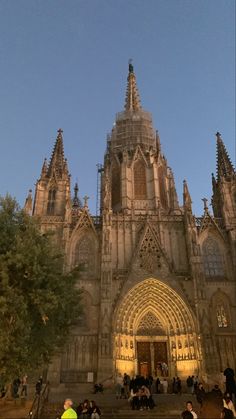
pixel 150 325
pixel 106 242
pixel 149 253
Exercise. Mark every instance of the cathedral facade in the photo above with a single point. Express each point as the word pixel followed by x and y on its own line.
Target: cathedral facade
pixel 159 284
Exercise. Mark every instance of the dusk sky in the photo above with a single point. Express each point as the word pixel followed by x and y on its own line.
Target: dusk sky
pixel 64 64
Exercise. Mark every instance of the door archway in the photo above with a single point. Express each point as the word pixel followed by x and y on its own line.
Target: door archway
pixel 154 326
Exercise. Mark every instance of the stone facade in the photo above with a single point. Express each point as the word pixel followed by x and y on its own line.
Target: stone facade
pixel 158 283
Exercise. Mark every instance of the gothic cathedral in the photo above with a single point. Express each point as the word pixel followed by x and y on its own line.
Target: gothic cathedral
pixel 159 284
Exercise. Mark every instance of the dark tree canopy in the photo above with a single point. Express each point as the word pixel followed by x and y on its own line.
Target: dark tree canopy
pixel 38 301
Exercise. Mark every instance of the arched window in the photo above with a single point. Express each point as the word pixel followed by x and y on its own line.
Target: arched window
pixel 85 254
pixel 213 261
pixel 115 186
pixel 222 318
pixel 140 184
pixel 51 201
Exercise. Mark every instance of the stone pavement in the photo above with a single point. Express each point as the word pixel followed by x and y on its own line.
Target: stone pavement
pixel 15 409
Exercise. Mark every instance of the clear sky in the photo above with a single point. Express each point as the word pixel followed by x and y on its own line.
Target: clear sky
pixel 65 63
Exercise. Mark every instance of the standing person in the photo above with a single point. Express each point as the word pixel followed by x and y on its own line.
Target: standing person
pixel 189 408
pixel 69 412
pixel 230 381
pixel 126 384
pixel 189 382
pixel 38 387
pixel 200 393
pixel 195 383
pixel 165 385
pixel 15 387
pixel 119 385
pixel 24 385
pixel 158 383
pixel 178 386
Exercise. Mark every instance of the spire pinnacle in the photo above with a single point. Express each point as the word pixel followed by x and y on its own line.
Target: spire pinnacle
pixel 44 168
pixel 224 165
pixel 29 203
pixel 132 100
pixel 57 161
pixel 186 197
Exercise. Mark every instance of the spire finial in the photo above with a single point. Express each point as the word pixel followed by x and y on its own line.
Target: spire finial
pixel 205 200
pixel 132 101
pixel 86 198
pixel 76 200
pixel 131 67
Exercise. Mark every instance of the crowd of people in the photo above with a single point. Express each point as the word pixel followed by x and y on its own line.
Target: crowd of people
pixel 19 387
pixel 85 410
pixel 212 404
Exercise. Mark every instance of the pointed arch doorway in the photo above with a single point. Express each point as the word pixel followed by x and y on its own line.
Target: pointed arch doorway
pixel 155 332
pixel 151 346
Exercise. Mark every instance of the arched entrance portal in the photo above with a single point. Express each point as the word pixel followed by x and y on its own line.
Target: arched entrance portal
pixel 155 332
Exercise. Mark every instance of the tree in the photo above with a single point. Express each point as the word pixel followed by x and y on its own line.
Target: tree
pixel 38 301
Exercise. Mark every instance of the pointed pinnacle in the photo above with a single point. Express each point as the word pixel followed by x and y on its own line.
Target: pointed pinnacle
pixel 224 165
pixel 132 100
pixel 57 161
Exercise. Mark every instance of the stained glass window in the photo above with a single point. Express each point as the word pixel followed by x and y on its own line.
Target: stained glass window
pixel 84 254
pixel 222 319
pixel 213 260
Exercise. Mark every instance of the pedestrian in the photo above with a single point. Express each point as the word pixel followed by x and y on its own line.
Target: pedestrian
pixel 24 385
pixel 230 381
pixel 200 393
pixel 189 407
pixel 38 387
pixel 190 384
pixel 165 385
pixel 126 384
pixel 119 386
pixel 158 383
pixel 69 412
pixel 178 386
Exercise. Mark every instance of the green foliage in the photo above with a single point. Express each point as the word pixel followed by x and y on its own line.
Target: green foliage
pixel 38 301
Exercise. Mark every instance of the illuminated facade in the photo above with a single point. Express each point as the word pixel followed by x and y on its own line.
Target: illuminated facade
pixel 159 283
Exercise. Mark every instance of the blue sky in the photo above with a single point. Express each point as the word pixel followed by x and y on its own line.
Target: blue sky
pixel 64 64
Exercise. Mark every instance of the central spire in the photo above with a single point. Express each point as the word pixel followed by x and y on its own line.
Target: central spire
pixel 132 100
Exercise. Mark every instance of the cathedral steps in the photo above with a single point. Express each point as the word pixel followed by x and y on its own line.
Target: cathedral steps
pixel 167 406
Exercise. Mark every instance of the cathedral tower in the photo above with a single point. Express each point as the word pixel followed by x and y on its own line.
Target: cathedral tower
pixel 140 177
pixel 52 192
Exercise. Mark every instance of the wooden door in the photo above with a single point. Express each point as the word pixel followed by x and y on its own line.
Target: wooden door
pixel 144 358
pixel 161 358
